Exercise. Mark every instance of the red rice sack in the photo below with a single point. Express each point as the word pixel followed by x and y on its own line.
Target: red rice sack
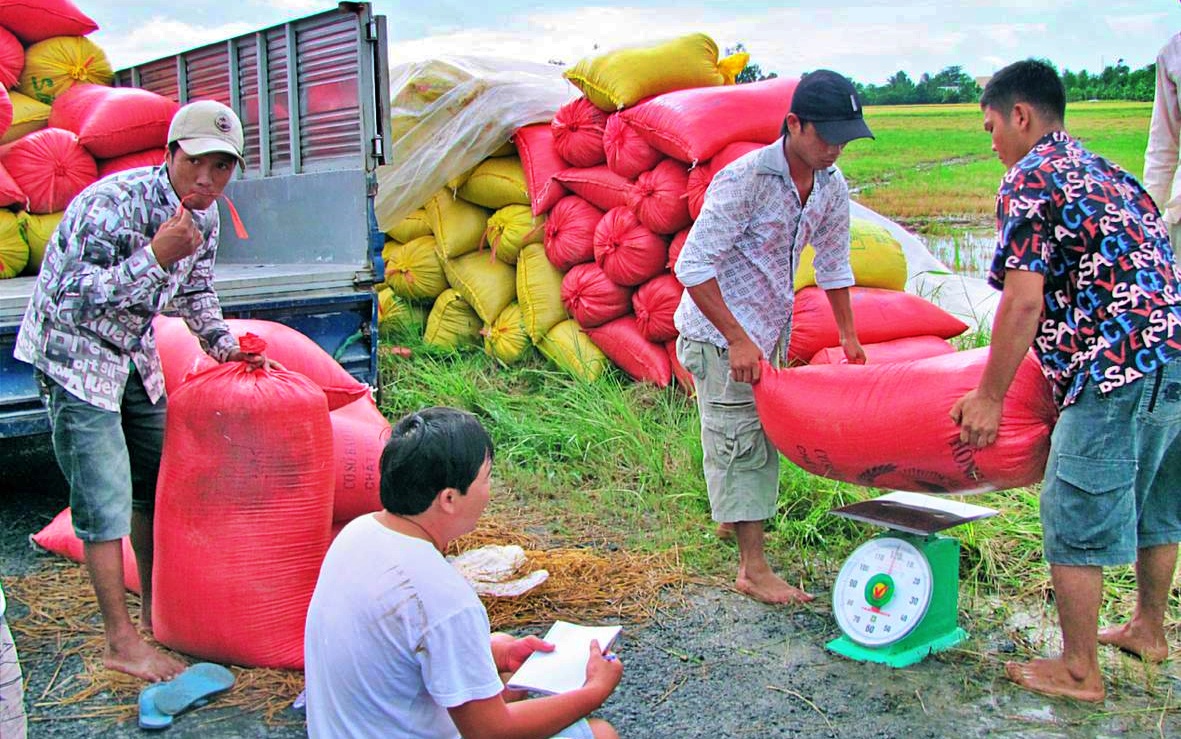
pixel 578 133
pixel 34 20
pixel 628 154
pixel 628 251
pixel 591 298
pixel 888 425
pixel 882 352
pixel 701 175
pixel 145 158
pixel 359 434
pixel 600 186
pixel 10 192
pixel 12 59
pixel 622 342
pixel 50 167
pixel 113 121
pixel 58 537
pixel 683 376
pixel 654 304
pixel 243 515
pixel 541 161
pixel 570 232
pixel 675 246
pixel 693 125
pixel 879 314
pixel 6 111
pixel 658 198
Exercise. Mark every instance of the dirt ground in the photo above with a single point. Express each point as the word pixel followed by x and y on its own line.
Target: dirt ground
pixel 718 665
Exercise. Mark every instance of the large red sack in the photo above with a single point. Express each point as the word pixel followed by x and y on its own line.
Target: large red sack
pixel 6 111
pixel 658 198
pixel 10 192
pixel 675 246
pixel 113 121
pixel 243 515
pixel 628 251
pixel 12 59
pixel 703 174
pixel 879 315
pixel 145 158
pixel 622 342
pixel 36 20
pixel 359 434
pixel 58 537
pixel 600 186
pixel 654 304
pixel 591 297
pixel 628 154
pixel 896 350
pixel 693 125
pixel 540 161
pixel 888 425
pixel 50 166
pixel 570 232
pixel 578 133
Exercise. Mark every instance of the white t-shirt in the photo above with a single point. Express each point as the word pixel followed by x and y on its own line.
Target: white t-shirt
pixel 394 637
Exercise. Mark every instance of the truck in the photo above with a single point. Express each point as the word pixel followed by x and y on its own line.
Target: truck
pixel 313 97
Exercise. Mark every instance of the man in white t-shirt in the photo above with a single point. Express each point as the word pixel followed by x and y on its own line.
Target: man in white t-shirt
pixel 397 643
pixel 12 687
pixel 1162 178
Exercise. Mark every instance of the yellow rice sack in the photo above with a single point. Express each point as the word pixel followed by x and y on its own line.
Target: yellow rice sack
pixel 875 255
pixel 623 77
pixel 568 347
pixel 495 183
pixel 14 252
pixel 458 225
pixel 511 229
pixel 28 115
pixel 413 226
pixel 36 229
pixel 507 149
pixel 505 339
pixel 452 323
pixel 488 285
pixel 396 314
pixel 539 291
pixel 52 66
pixel 413 270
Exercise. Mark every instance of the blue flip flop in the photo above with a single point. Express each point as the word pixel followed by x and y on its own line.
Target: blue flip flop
pixel 195 684
pixel 150 716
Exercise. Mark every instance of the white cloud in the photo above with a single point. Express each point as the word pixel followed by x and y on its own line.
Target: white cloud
pixel 1135 25
pixel 160 37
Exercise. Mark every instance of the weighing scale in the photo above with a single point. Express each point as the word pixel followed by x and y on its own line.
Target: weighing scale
pixel 896 598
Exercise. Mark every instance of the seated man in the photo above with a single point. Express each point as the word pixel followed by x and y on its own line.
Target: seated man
pixel 397 642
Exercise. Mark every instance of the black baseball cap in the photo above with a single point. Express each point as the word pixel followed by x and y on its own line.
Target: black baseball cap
pixel 830 102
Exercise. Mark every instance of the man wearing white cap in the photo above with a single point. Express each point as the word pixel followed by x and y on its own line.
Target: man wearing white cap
pixel 127 246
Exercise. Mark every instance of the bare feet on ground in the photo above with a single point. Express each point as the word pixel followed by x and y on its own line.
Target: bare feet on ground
pixel 1136 641
pixel 138 658
pixel 1051 677
pixel 771 589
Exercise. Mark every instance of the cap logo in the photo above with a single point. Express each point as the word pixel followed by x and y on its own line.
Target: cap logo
pixel 222 121
pixel 853 101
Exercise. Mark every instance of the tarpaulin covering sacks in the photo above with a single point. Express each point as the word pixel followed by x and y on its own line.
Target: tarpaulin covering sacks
pixel 144 158
pixel 28 115
pixel 512 228
pixel 578 133
pixel 539 291
pixel 12 58
pixel 113 121
pixel 600 186
pixel 414 270
pixel 591 297
pixel 452 323
pixel 888 425
pixel 567 346
pixel 488 285
pixel 895 350
pixel 413 226
pixel 693 125
pixel 654 304
pixel 505 339
pixel 628 154
pixel 658 197
pixel 570 232
pixel 495 183
pixel 243 515
pixel 35 20
pixel 703 174
pixel 540 161
pixel 50 167
pixel 624 345
pixel 880 315
pixel 359 434
pixel 14 250
pixel 58 537
pixel 53 65
pixel 10 192
pixel 875 256
pixel 36 229
pixel 628 251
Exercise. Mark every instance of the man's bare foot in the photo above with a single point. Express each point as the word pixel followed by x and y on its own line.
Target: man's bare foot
pixel 1051 677
pixel 1136 642
pixel 771 589
pixel 725 532
pixel 136 657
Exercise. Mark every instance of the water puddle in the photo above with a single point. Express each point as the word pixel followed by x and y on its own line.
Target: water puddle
pixel 968 253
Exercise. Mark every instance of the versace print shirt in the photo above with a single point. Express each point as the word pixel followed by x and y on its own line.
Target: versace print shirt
pixel 90 317
pixel 1112 308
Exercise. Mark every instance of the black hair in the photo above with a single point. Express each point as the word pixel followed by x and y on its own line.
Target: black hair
pixel 783 126
pixel 173 147
pixel 1031 81
pixel 430 451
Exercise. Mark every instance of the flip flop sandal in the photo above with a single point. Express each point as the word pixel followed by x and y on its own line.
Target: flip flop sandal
pixel 150 716
pixel 197 683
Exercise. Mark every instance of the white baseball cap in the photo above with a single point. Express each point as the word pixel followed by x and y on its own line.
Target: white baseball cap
pixel 205 127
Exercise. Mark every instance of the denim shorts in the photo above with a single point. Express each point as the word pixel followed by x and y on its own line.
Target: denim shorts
pixel 1113 479
pixel 740 463
pixel 580 729
pixel 110 458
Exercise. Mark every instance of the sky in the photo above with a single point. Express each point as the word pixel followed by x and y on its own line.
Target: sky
pixel 867 40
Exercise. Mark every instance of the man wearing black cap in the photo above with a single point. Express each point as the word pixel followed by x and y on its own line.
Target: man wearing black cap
pixel 738 268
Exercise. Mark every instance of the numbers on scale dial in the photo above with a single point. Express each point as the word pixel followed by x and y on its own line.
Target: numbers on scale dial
pixel 885 588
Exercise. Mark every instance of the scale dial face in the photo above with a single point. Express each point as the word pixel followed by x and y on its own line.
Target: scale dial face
pixel 882 591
